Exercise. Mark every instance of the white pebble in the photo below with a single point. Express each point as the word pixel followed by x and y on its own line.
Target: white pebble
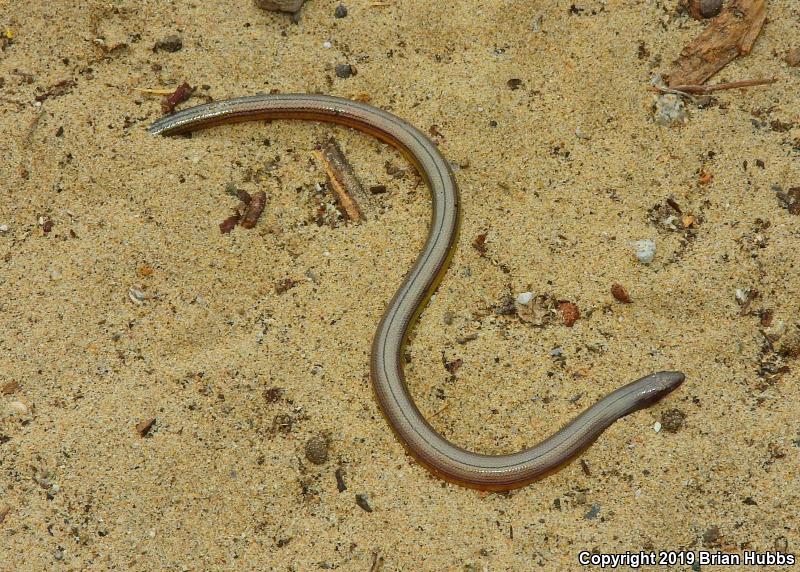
pixel 327 45
pixel 645 250
pixel 670 110
pixel 17 408
pixel 137 296
pixel 3 228
pixel 742 295
pixel 524 298
pixel 55 274
pixel 657 427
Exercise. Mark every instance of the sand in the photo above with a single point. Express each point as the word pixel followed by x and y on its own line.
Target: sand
pixel 561 170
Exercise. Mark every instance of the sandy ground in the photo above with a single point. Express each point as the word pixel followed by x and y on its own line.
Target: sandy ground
pixel 560 173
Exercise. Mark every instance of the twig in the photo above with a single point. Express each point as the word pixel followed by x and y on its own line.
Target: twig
pixel 689 91
pixel 728 36
pixel 342 180
pixel 154 91
pixel 705 89
pixel 181 94
pixel 254 209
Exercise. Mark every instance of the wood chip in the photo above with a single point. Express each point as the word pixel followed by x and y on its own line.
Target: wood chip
pixel 342 180
pixel 227 225
pixel 10 387
pixel 254 209
pixel 143 427
pixel 728 36
pixel 620 293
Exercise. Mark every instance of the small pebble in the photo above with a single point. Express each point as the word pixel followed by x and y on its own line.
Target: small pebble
pixel 17 408
pixel 340 11
pixel 743 295
pixel 136 295
pixel 672 420
pixel 58 554
pixel 172 43
pixel 620 293
pixel 645 250
pixel 362 500
pixel 524 298
pixel 793 57
pixel 143 427
pixel 670 110
pixel 581 134
pixel 317 450
pixel 775 331
pixel 593 512
pixel 344 70
pixel 290 6
pixel 327 45
pixel 657 427
pixel 3 228
pixel 569 313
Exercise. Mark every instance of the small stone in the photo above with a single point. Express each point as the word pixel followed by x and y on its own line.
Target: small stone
pixel 711 537
pixel 327 45
pixel 672 420
pixel 581 134
pixel 793 57
pixel 790 344
pixel 704 8
pixel 781 544
pixel 143 427
pixel 340 11
pixel 171 43
pixel 10 387
pixel 657 427
pixel 3 228
pixel 524 298
pixel 344 71
pixel 55 274
pixel 743 296
pixel 645 250
pixel 514 83
pixel 290 6
pixel 775 331
pixel 593 512
pixel 670 110
pixel 17 408
pixel 362 500
pixel 136 295
pixel 317 450
pixel 620 293
pixel 569 313
pixel 59 553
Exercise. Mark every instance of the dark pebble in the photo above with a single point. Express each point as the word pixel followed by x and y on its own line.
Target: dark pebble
pixel 363 501
pixel 344 70
pixel 711 536
pixel 340 484
pixel 593 512
pixel 340 12
pixel 317 450
pixel 672 420
pixel 377 189
pixel 514 83
pixel 171 43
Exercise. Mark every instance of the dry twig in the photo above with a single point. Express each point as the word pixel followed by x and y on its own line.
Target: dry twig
pixel 728 36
